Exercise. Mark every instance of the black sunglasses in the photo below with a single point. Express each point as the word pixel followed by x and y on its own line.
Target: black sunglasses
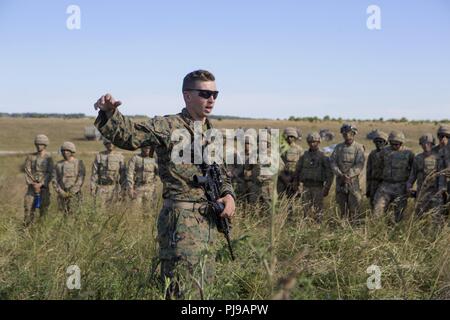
pixel 206 94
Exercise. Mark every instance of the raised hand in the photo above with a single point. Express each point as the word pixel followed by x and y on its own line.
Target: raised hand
pixel 107 104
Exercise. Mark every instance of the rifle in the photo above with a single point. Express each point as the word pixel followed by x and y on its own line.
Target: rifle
pixel 211 182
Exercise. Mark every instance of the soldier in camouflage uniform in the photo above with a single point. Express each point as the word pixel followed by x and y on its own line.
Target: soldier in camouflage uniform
pixel 396 162
pixel 374 171
pixel 186 229
pixel 314 172
pixel 142 171
pixel 347 162
pixel 108 173
pixel 443 151
pixel 429 186
pixel 68 178
pixel 286 182
pixel 38 174
pixel 266 175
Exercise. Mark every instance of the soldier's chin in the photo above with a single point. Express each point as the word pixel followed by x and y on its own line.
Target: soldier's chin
pixel 207 110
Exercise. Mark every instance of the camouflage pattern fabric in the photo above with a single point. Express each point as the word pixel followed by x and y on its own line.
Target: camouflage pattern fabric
pixel 423 169
pixel 314 172
pixel 108 171
pixel 186 251
pixel 286 182
pixel 68 178
pixel 37 170
pixel 348 160
pixel 396 170
pixel 374 174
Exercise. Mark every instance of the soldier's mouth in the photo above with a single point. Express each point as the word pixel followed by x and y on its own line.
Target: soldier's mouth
pixel 208 109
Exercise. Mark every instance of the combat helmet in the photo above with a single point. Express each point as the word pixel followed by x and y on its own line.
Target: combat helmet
pixel 68 146
pixel 427 138
pixel 397 136
pixel 314 136
pixel 41 139
pixel 346 127
pixel 291 132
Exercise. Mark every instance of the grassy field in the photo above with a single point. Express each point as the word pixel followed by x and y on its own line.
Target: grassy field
pixel 277 256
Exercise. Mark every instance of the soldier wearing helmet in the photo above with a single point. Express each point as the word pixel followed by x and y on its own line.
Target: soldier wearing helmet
pixel 374 170
pixel 142 177
pixel 286 182
pixel 397 162
pixel 108 175
pixel 68 178
pixel 38 174
pixel 425 165
pixel 315 174
pixel 443 150
pixel 347 162
pixel 266 170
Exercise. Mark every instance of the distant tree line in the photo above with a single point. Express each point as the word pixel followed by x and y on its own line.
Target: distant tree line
pixel 401 120
pixel 44 115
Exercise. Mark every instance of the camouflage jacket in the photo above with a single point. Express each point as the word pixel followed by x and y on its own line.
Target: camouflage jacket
pixel 396 164
pixel 177 178
pixel 141 171
pixel 424 165
pixel 69 176
pixel 314 168
pixel 108 168
pixel 347 160
pixel 374 170
pixel 290 157
pixel 38 169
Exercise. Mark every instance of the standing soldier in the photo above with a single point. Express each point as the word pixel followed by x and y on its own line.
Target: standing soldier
pixel 68 178
pixel 347 162
pixel 142 172
pixel 38 174
pixel 186 226
pixel 286 182
pixel 424 171
pixel 266 175
pixel 314 172
pixel 374 170
pixel 108 172
pixel 443 150
pixel 397 162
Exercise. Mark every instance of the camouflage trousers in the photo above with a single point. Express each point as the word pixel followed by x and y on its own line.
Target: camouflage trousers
pixel 290 189
pixel 372 190
pixel 185 237
pixel 312 200
pixel 391 194
pixel 29 211
pixel 429 201
pixel 145 196
pixel 71 204
pixel 106 195
pixel 349 203
pixel 266 188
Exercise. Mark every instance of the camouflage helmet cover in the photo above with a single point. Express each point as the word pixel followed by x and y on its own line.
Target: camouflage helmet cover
pixel 41 139
pixel 427 138
pixel 68 146
pixel 314 136
pixel 346 127
pixel 397 136
pixel 380 135
pixel 444 130
pixel 291 132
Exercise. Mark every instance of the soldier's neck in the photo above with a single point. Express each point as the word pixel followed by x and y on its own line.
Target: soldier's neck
pixel 41 153
pixel 196 117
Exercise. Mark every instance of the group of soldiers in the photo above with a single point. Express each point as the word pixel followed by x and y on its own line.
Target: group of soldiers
pixel 392 171
pixel 111 178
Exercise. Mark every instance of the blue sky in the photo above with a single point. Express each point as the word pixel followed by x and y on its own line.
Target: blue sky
pixel 272 59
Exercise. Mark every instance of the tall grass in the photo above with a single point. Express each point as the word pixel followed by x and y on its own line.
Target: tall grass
pixel 279 255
